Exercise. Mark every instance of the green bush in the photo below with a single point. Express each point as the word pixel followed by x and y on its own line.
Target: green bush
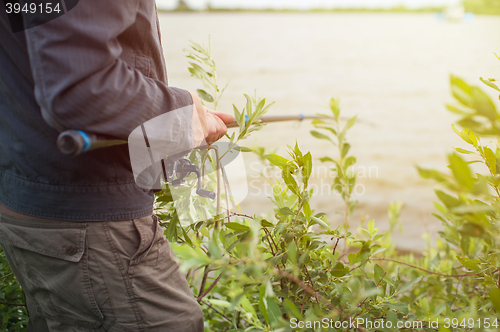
pixel 287 270
pixel 489 7
pixel 14 316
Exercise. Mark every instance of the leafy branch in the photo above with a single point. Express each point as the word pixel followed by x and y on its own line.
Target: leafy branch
pixel 203 67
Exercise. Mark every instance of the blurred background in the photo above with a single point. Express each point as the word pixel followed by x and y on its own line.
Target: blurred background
pixel 388 61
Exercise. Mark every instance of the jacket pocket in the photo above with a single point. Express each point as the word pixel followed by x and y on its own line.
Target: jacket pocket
pixel 53 262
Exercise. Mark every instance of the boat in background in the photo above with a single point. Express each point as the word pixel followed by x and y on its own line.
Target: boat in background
pixel 455 13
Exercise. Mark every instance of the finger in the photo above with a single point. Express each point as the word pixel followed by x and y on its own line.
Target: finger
pixel 220 129
pixel 225 117
pixel 216 127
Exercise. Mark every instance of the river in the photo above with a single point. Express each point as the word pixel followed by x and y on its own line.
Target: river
pixel 392 70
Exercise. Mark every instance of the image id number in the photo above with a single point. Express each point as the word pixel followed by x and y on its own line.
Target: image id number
pixel 471 323
pixel 32 8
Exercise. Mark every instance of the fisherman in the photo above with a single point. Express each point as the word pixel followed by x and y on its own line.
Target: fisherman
pixel 78 232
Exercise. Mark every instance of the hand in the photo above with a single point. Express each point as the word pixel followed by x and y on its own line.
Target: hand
pixel 217 122
pixel 213 124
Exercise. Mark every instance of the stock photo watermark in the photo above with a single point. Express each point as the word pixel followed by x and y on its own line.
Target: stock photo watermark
pixel 448 323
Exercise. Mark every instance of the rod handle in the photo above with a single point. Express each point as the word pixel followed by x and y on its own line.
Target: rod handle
pixel 76 142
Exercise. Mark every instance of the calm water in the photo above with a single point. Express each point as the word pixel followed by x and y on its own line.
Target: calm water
pixel 390 69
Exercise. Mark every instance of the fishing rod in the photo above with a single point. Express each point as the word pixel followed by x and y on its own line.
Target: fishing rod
pixel 76 142
pixel 174 169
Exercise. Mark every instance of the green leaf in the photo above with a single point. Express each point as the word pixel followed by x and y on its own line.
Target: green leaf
pixel 259 107
pixel 290 181
pixel 473 230
pixel 292 252
pixel 471 264
pixel 219 303
pixel 432 174
pixel 191 257
pixel 398 306
pixel 409 285
pixel 494 297
pixel 392 317
pixel 266 223
pixel 263 302
pixel 330 129
pixel 286 211
pixel 249 106
pixel 238 117
pixel 318 122
pixel 274 311
pixel 491 160
pixel 449 201
pixel 371 227
pixel 461 90
pixel 171 232
pixel 320 222
pixel 339 270
pixel 197 47
pixel 247 306
pixel 186 237
pixel 379 273
pixel 304 258
pixel 205 95
pixel 198 72
pixel 464 151
pixel 266 109
pixel 349 161
pixel 483 104
pixel 459 111
pixel 472 136
pixel 325 159
pixel 490 84
pixel 276 160
pixel 351 122
pixel 213 248
pixel 205 232
pixel 306 208
pixel 320 135
pixel 345 149
pixel 440 309
pixel 243 120
pixel 461 171
pixel 462 134
pixel 335 107
pixel 242 149
pixel 307 169
pixel 236 226
pixel 292 309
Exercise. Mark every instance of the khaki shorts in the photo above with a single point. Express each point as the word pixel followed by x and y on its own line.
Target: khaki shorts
pixel 115 276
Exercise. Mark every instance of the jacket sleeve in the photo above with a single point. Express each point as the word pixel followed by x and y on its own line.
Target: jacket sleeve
pixel 80 80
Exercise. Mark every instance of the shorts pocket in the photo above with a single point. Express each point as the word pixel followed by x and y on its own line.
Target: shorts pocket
pixel 149 232
pixel 53 262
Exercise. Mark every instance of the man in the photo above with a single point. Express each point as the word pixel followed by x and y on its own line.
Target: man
pixel 78 232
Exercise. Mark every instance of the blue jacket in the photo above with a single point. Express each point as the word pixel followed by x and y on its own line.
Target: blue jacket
pixel 98 68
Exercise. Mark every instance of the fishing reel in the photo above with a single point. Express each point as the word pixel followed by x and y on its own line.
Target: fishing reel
pixel 148 174
pixel 181 168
